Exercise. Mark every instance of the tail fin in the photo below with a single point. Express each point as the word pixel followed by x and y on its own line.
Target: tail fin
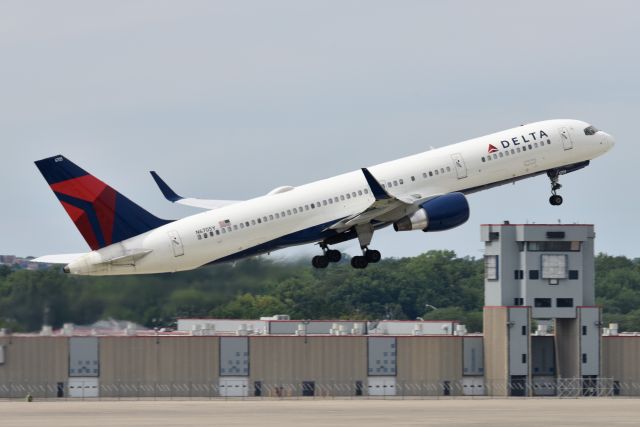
pixel 103 216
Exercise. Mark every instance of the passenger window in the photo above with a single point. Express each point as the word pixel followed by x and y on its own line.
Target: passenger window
pixel 246 223
pixel 384 186
pixel 218 232
pixel 235 227
pixel 342 197
pixel 495 157
pixel 242 225
pixel 306 207
pixel 530 147
pixel 535 144
pixel 436 171
pixel 448 169
pixel 413 178
pixel 359 192
pixel 524 148
pixel 395 183
pixel 288 211
pixel 260 221
pixel 501 155
pixel 430 173
pixel 483 160
pixel 270 217
pixel 518 149
pixel 513 151
pixel 548 142
pixel 401 181
pixel 224 231
pixel 353 194
pixel 335 199
pixel 389 184
pixel 282 214
pixel 324 203
pixel 313 206
pixel 253 222
pixel 348 196
pixel 300 209
pixel 424 174
pixel 295 211
pixel 366 191
pixel 441 170
pixel 277 215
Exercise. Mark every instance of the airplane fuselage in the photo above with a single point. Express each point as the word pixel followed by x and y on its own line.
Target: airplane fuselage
pixel 304 214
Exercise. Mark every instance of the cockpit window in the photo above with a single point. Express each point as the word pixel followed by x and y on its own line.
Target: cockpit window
pixel 590 130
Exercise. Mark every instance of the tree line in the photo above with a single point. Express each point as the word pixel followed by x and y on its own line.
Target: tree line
pixel 434 285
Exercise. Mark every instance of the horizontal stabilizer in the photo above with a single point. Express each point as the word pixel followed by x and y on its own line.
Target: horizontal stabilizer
pixel 174 197
pixel 58 258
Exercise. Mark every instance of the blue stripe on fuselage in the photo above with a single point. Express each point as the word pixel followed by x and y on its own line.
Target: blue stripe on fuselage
pixel 313 234
pixel 308 235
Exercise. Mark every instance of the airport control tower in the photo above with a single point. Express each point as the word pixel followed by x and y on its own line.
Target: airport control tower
pixel 541 273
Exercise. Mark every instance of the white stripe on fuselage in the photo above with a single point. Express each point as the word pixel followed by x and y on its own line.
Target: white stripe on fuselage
pixel 408 170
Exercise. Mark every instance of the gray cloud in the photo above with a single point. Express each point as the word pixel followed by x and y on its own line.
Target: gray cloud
pixel 230 99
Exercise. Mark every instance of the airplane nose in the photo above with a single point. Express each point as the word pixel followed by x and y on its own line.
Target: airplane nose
pixel 607 141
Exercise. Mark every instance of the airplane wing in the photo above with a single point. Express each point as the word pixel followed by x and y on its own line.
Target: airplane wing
pixel 385 208
pixel 58 258
pixel 173 197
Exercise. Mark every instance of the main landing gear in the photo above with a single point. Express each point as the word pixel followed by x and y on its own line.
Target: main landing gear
pixel 368 256
pixel 330 255
pixel 555 199
pixel 365 233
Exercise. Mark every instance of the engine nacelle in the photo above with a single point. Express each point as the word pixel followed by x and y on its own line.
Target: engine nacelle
pixel 438 214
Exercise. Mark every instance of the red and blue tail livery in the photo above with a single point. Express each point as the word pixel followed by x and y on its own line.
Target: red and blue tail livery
pixel 102 215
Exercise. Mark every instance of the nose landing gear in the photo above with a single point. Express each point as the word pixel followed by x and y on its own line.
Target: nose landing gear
pixel 555 199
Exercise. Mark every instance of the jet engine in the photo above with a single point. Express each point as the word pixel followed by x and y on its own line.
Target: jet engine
pixel 438 214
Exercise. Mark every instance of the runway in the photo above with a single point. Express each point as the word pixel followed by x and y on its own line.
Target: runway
pixel 453 412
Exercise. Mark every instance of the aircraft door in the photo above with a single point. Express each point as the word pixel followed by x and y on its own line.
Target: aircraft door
pixel 461 168
pixel 176 243
pixel 565 136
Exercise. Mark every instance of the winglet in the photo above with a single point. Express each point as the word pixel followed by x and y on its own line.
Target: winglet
pixel 167 192
pixel 378 192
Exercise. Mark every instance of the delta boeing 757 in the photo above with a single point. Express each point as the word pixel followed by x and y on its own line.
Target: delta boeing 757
pixel 423 192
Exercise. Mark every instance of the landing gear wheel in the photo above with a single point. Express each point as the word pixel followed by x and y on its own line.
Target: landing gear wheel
pixel 373 256
pixel 333 255
pixel 555 200
pixel 359 262
pixel 320 261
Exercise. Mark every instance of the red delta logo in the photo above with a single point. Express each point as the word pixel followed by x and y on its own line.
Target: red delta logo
pixel 492 148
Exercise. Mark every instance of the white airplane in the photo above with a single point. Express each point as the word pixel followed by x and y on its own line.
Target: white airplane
pixel 421 192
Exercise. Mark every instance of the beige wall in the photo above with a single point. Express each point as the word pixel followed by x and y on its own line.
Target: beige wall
pixel 334 363
pixel 621 362
pixel 567 347
pixel 33 364
pixel 496 358
pixel 425 362
pixel 159 366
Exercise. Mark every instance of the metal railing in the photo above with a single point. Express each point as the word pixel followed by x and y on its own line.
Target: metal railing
pixel 290 389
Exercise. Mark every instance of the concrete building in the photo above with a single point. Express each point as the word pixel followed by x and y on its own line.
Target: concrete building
pixel 539 273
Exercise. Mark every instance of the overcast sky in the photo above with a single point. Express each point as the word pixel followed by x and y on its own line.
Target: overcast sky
pixel 229 99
